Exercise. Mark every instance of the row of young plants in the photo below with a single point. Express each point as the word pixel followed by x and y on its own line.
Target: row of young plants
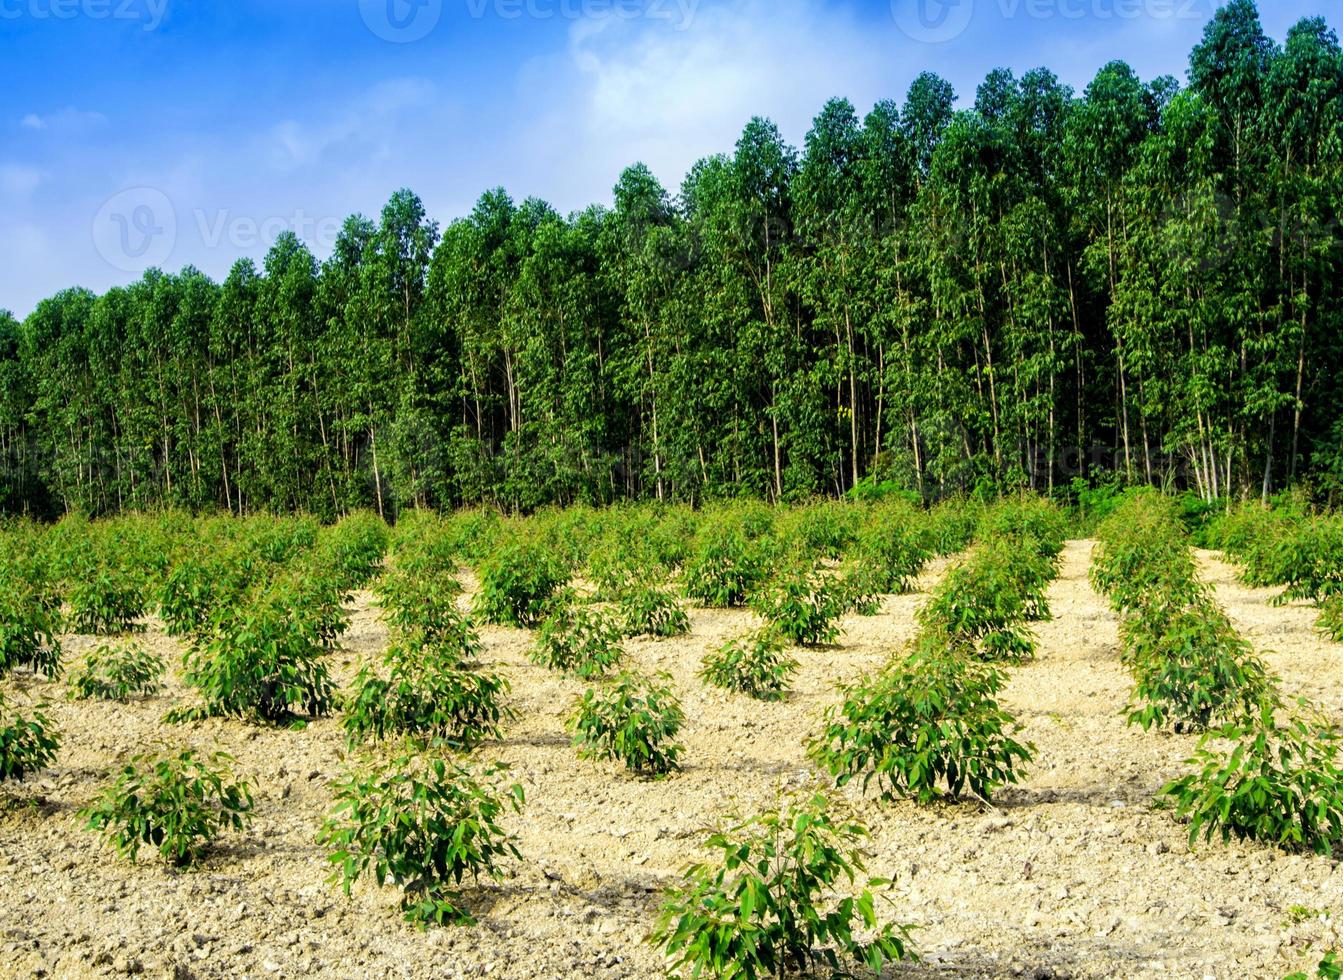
pixel 1287 546
pixel 1264 769
pixel 928 725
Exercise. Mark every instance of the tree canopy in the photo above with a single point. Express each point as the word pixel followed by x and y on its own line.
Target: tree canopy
pixel 1140 280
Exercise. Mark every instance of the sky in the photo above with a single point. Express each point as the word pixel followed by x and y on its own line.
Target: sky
pixel 139 133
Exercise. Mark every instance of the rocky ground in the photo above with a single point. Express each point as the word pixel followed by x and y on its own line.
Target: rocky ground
pixel 1071 874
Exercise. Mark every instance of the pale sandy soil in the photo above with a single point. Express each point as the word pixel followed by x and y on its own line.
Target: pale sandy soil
pixel 1071 875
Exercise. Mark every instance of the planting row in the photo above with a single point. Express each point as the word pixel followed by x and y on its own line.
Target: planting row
pixel 1264 769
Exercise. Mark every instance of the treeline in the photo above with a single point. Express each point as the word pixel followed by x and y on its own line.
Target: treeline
pixel 1141 280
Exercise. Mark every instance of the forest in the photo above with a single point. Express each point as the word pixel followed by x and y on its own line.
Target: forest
pixel 1138 283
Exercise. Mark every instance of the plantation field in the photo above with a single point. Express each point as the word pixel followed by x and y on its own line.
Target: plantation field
pixel 1069 872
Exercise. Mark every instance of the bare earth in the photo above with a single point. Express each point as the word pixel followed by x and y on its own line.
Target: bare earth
pixel 1071 875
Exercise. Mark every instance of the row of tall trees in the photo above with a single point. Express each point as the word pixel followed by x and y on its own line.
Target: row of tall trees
pixel 1141 279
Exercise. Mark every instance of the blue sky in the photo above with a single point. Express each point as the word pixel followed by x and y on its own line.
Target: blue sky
pixel 170 132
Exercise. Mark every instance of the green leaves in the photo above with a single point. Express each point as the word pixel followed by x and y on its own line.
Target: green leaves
pixel 925 726
pixel 802 606
pixel 764 907
pixel 725 571
pixel 1191 668
pixel 177 802
pixel 425 826
pixel 630 719
pixel 27 742
pixel 104 601
pixel 649 611
pixel 1277 781
pixel 515 584
pixel 753 664
pixel 430 695
pixel 261 661
pixel 117 673
pixel 578 640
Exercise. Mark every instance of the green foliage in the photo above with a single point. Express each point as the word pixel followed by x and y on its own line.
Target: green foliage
pixel 420 606
pixel 428 695
pixel 260 662
pixel 725 571
pixel 765 907
pixel 426 826
pixel 980 602
pixel 117 673
pixel 352 549
pixel 177 802
pixel 105 601
pixel 1330 621
pixel 1143 557
pixel 802 607
pixel 893 549
pixel 1329 968
pixel 648 611
pixel 631 719
pixel 925 726
pixel 753 664
pixel 27 742
pixel 1192 669
pixel 515 584
pixel 28 630
pixel 578 640
pixel 1278 782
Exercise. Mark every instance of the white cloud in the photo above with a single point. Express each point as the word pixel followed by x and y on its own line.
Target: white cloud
pixel 67 121
pixel 368 125
pixel 640 90
pixel 18 180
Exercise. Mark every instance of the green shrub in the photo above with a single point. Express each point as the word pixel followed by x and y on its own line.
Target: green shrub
pixel 980 604
pixel 652 612
pixel 1313 561
pixel 765 907
pixel 428 696
pixel 633 720
pixel 1330 621
pixel 516 583
pixel 177 802
pixel 859 591
pixel 1279 783
pixel 578 640
pixel 802 607
pixel 725 571
pixel 1143 556
pixel 27 742
pixel 421 605
pixel 925 722
pixel 258 662
pixel 188 595
pixel 28 630
pixel 105 601
pixel 894 550
pixel 352 549
pixel 117 673
pixel 754 664
pixel 425 826
pixel 1192 669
